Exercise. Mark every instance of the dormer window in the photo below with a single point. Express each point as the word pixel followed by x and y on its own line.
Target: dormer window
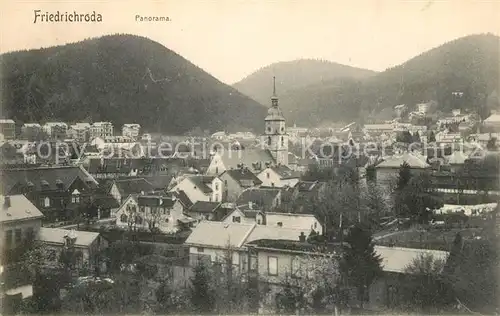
pixel 44 184
pixel 59 184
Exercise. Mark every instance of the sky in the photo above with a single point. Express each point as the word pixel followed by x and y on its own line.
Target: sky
pixel 232 38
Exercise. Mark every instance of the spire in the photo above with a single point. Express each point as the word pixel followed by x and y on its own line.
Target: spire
pixel 274 86
pixel 274 98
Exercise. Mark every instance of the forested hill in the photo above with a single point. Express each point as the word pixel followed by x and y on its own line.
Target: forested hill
pixel 295 74
pixel 122 79
pixel 470 64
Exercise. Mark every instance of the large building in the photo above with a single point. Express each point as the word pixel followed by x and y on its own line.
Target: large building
pixel 56 130
pixel 8 129
pixel 101 129
pixel 131 130
pixel 80 132
pixel 276 136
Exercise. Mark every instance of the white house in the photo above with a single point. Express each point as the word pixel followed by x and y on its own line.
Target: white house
pixel 279 176
pixel 147 211
pixel 302 222
pixel 201 188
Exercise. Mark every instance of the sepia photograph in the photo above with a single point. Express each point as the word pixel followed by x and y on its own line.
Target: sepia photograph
pixel 286 157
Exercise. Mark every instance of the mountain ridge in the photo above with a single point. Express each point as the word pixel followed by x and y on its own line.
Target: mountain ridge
pixel 295 74
pixel 121 78
pixel 469 64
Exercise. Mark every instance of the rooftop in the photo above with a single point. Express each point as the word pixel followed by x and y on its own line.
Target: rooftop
pixel 57 235
pixel 397 259
pixel 19 208
pixel 204 207
pixel 219 234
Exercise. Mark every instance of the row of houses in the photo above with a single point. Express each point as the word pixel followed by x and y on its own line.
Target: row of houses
pixel 81 132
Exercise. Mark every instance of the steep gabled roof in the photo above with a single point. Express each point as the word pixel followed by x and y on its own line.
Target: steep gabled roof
pixel 244 177
pixel 20 209
pixel 203 183
pixel 134 185
pixel 45 178
pixel 253 158
pixel 285 173
pixel 183 198
pixel 258 196
pixel 219 234
pixel 156 201
pixel 204 207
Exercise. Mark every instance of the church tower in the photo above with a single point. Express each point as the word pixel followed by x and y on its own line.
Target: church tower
pixel 275 136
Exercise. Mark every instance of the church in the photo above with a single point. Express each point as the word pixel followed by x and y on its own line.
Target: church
pixel 272 151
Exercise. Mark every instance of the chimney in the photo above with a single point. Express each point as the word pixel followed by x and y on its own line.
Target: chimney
pixel 302 237
pixel 250 205
pixel 6 202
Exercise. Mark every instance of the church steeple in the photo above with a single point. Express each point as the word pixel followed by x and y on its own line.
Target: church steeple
pixel 276 136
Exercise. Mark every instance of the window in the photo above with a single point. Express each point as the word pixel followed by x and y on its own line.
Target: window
pixel 216 170
pixel 282 129
pixel 8 237
pixel 269 140
pixel 200 249
pixel 315 225
pixel 268 175
pixel 216 187
pixel 45 202
pixel 236 219
pixel 75 198
pixel 124 218
pixel 253 263
pixel 142 208
pixel 295 267
pixel 272 265
pixel 19 235
pixel 166 220
pixel 282 141
pixel 216 198
pixel 258 221
pixel 30 233
pixel 269 128
pixel 236 258
pixel 280 224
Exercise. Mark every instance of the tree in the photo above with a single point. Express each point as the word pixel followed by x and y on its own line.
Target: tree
pixel 152 218
pixel 361 265
pixel 404 176
pixel 201 295
pixel 472 272
pixel 371 173
pixel 404 137
pixel 171 301
pixel 425 289
pixel 492 144
pixel 431 138
pixel 418 199
pixel 416 137
pixel 96 296
pixel 375 204
pixel 313 285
